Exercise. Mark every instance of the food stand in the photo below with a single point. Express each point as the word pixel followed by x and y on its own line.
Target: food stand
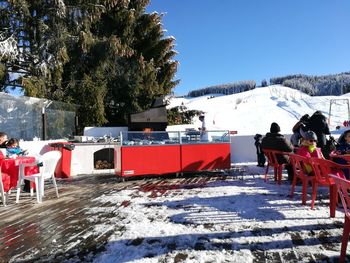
pixel 157 153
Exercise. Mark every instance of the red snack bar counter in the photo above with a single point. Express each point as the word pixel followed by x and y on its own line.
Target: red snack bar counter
pixel 156 153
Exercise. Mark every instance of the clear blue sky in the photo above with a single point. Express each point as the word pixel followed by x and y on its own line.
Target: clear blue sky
pixel 223 41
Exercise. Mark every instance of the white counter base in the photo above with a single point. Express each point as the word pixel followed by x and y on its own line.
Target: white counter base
pixel 82 161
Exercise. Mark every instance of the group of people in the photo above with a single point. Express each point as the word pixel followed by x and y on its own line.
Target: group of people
pixel 308 140
pixel 11 145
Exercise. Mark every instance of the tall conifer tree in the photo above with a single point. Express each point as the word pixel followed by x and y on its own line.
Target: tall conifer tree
pixel 110 57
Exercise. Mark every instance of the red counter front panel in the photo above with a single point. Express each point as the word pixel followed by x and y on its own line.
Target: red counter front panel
pixel 201 157
pixel 143 160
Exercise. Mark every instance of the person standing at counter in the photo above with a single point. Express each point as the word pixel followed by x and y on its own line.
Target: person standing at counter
pixel 203 129
pixel 3 139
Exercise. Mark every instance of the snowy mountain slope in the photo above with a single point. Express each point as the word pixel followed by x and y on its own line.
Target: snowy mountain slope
pixel 253 111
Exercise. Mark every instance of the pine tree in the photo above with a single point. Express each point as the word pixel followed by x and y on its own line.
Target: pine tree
pixel 109 57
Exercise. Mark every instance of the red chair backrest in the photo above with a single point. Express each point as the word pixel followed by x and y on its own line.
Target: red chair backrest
pixel 323 168
pixel 298 162
pixel 346 157
pixel 343 186
pixel 272 155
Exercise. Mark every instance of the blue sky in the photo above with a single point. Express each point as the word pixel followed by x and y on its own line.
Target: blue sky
pixel 223 41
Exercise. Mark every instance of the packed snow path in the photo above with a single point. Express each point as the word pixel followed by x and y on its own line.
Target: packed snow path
pixel 203 218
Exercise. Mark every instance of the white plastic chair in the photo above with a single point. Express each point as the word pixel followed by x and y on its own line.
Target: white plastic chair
pixel 49 162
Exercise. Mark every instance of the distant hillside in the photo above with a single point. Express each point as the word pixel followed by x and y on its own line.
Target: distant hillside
pixel 336 84
pixel 225 89
pixel 253 111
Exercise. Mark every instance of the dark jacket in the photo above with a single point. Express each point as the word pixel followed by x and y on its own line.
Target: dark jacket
pixel 343 147
pixel 276 141
pixel 318 124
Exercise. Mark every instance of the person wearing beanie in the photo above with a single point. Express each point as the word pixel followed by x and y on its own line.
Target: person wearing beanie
pixel 308 148
pixel 273 140
pixel 275 128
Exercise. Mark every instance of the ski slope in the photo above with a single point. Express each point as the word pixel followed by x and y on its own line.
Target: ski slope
pixel 253 111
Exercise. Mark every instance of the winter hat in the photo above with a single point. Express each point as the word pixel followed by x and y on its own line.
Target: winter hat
pixel 309 135
pixel 275 128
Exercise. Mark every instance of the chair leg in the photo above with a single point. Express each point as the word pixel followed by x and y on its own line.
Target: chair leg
pixel 275 170
pixel 42 187
pixel 294 182
pixel 31 191
pixel 345 239
pixel 314 194
pixel 19 184
pixel 2 192
pixel 3 198
pixel 18 193
pixel 279 175
pixel 55 184
pixel 6 198
pixel 304 192
pixel 332 199
pixel 38 195
pixel 266 172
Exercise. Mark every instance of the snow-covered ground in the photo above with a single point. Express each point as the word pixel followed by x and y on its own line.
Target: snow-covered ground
pixel 253 111
pixel 237 219
pixel 225 219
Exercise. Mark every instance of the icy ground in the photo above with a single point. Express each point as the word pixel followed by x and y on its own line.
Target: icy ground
pixel 237 218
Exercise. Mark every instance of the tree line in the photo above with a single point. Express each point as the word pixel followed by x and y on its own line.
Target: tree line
pixel 332 84
pixel 225 89
pixel 109 57
pixel 335 84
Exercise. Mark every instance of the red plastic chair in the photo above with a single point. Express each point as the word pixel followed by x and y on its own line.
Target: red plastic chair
pixel 343 187
pixel 272 158
pixel 322 168
pixel 333 156
pixel 298 162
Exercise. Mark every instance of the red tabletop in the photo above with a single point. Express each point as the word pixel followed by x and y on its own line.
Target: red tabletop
pixel 10 167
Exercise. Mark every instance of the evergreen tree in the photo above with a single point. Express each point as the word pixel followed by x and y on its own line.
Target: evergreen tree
pixel 109 57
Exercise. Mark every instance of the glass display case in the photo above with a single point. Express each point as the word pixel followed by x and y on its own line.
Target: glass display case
pixel 133 138
pixel 193 136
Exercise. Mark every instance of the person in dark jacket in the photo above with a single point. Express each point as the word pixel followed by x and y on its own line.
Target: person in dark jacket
pixel 343 146
pixel 273 140
pixel 260 154
pixel 318 124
